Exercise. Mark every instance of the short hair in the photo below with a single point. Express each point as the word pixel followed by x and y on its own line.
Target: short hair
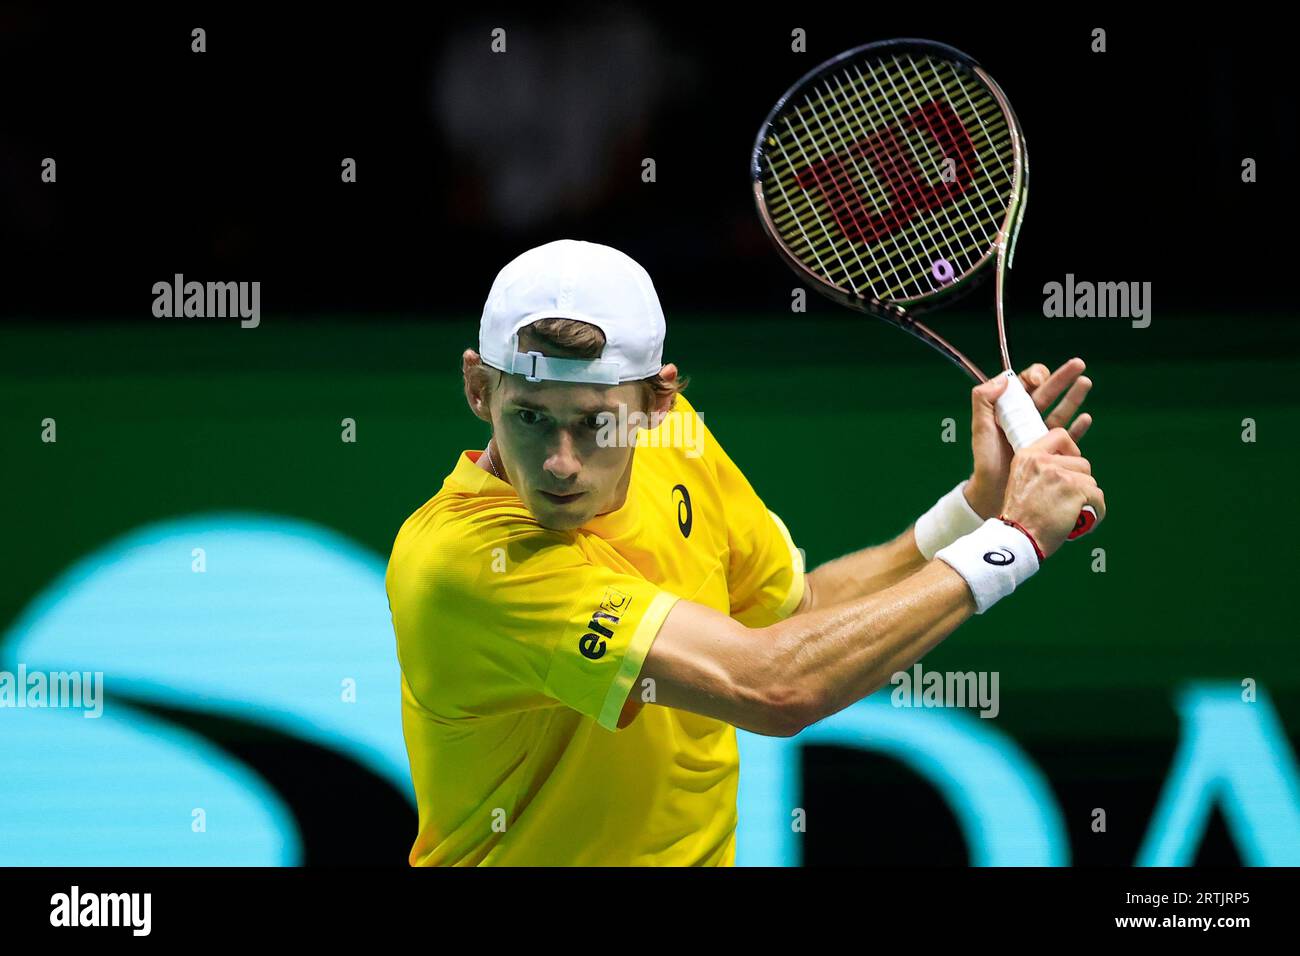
pixel 573 338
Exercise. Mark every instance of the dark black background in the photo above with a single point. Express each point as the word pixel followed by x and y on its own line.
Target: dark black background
pixel 225 165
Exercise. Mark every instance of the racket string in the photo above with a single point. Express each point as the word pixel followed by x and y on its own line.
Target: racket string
pixel 924 141
pixel 896 174
pixel 908 267
pixel 894 179
pixel 800 221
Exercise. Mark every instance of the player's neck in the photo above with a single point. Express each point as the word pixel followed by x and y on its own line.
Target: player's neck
pixel 487 458
pixel 620 496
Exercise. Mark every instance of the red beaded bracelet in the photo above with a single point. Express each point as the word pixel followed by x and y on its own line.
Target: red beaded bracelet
pixel 1021 528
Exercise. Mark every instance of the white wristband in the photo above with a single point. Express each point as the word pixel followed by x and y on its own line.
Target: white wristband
pixel 993 559
pixel 950 518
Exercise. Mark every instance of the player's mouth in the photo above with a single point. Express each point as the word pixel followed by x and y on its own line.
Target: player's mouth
pixel 562 499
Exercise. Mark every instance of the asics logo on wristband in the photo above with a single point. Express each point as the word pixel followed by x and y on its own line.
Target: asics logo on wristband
pixel 1000 557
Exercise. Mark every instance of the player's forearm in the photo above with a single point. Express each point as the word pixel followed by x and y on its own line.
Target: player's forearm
pixel 834 656
pixel 873 569
pixel 864 572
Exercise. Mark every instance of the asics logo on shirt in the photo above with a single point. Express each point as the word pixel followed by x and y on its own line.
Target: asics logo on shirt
pixel 684 513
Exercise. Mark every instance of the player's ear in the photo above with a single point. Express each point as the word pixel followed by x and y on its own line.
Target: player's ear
pixel 654 407
pixel 477 391
pixel 661 405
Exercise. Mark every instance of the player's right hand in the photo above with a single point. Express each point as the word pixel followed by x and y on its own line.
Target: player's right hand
pixel 1048 484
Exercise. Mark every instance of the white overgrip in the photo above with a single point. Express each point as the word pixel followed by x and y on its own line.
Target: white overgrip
pixel 1018 415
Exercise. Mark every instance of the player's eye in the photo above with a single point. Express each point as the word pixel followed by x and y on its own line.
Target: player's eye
pixel 594 422
pixel 524 416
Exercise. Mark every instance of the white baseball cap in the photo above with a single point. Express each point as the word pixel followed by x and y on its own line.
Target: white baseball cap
pixel 571 279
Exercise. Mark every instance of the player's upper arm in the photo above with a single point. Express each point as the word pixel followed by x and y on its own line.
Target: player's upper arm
pixel 704 662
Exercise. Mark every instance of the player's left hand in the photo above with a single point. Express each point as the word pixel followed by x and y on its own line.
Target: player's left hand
pixel 990 448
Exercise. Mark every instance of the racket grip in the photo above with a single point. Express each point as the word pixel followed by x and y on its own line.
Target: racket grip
pixel 1020 421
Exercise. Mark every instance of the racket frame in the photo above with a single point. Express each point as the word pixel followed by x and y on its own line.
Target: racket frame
pixel 903 313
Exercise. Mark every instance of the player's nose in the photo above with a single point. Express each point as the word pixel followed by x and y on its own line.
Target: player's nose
pixel 562 460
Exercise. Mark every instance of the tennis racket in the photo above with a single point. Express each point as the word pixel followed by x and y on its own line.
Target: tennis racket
pixel 893 178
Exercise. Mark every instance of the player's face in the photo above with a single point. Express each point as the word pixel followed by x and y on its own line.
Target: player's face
pixel 565 447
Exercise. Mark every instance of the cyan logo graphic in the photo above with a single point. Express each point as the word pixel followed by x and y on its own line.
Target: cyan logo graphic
pixel 202 669
pixel 1231 754
pixel 264 644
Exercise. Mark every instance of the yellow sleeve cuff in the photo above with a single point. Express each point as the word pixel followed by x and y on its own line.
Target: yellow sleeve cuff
pixel 634 657
pixel 797 583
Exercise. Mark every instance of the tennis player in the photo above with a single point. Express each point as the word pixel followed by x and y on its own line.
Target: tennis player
pixel 585 614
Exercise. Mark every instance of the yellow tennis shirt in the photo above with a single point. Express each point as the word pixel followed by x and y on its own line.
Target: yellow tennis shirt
pixel 519 646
